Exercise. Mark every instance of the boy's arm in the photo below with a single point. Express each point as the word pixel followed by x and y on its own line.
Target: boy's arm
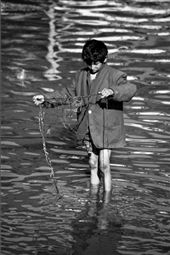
pixel 124 90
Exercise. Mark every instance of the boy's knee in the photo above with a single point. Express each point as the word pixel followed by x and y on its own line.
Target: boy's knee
pixel 93 162
pixel 104 167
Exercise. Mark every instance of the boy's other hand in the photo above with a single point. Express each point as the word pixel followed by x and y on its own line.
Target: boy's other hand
pixel 106 92
pixel 38 99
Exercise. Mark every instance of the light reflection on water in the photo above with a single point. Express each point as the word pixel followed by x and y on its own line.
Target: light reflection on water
pixel 41 47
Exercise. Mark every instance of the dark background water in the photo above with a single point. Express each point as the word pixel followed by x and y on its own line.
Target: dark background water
pixel 41 46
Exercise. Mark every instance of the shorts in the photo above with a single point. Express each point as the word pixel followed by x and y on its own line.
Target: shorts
pixel 89 145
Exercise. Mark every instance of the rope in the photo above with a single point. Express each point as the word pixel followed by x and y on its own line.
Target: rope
pixel 48 160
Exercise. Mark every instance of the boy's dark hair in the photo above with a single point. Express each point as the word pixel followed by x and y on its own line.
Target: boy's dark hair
pixel 94 51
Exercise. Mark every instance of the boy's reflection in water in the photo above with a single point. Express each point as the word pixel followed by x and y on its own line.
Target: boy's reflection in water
pixel 97 230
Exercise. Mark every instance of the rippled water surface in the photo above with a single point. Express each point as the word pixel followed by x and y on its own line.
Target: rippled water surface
pixel 41 46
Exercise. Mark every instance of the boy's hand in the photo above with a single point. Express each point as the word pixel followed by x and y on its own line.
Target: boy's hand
pixel 106 92
pixel 38 99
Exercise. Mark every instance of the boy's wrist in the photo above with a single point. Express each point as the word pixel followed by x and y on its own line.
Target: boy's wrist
pixel 114 92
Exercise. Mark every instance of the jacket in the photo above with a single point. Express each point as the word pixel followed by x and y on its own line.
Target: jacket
pixel 102 117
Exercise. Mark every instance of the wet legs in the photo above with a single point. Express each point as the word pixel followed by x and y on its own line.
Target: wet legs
pixel 102 160
pixel 93 162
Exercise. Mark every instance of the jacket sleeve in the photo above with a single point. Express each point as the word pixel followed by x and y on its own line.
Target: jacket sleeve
pixel 124 90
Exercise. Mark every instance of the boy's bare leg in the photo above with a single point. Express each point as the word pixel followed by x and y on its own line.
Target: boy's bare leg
pixel 93 162
pixel 104 159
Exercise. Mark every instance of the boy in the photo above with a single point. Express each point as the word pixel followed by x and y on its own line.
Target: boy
pixel 102 90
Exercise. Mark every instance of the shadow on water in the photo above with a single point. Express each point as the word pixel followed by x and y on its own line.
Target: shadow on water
pixel 41 46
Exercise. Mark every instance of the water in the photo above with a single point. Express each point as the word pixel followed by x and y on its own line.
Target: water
pixel 41 45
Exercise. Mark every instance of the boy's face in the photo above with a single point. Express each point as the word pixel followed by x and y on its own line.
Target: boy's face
pixel 95 67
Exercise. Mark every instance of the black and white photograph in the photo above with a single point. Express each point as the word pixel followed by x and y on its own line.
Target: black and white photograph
pixel 85 127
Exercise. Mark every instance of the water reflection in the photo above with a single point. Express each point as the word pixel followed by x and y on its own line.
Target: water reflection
pixel 97 230
pixel 41 45
pixel 53 47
